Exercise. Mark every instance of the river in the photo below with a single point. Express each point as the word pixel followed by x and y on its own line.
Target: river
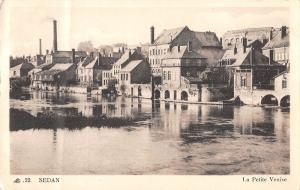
pixel 172 138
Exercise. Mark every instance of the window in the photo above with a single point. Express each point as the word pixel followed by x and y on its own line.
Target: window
pixel 15 73
pixel 165 77
pixel 169 75
pixel 243 81
pixel 126 76
pixel 284 83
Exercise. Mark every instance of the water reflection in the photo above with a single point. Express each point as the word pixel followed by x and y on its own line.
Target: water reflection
pixel 172 135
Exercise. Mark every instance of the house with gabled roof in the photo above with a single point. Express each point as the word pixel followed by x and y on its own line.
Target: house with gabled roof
pixel 278 46
pixel 61 74
pixel 20 70
pixel 254 76
pixel 206 44
pixel 135 72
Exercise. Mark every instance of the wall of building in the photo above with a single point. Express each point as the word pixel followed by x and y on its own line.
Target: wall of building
pixel 282 82
pixel 214 94
pixel 280 55
pixel 140 74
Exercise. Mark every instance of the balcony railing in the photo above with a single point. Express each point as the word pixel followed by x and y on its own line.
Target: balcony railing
pixel 263 86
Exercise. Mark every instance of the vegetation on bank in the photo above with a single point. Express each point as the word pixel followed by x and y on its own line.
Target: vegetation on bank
pixel 22 120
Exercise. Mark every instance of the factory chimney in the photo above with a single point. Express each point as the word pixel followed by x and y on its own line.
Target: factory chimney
pixel 54 36
pixel 40 46
pixel 73 55
pixel 152 34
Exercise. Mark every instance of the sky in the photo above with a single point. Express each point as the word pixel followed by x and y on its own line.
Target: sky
pixel 125 22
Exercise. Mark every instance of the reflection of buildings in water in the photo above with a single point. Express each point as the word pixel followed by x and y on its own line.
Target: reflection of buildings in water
pixel 254 121
pixel 176 116
pixel 281 124
pixel 217 111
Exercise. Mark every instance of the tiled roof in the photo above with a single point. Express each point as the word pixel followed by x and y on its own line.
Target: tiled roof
pixel 105 63
pixel 57 68
pixel 258 59
pixel 131 65
pixel 278 41
pixel 123 58
pixel 248 30
pixel 167 36
pixel 45 66
pixel 208 39
pixel 183 53
pixel 25 65
pixel 69 53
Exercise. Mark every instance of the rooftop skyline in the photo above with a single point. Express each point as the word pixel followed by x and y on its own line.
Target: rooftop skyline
pixel 131 25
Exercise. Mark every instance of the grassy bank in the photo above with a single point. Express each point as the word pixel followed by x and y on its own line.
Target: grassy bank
pixel 22 120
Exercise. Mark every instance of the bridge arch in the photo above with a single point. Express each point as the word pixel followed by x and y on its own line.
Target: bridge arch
pixel 285 101
pixel 269 100
pixel 167 94
pixel 184 96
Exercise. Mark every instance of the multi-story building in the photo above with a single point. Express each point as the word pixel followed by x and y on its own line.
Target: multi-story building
pixel 204 43
pixel 91 74
pixel 278 46
pixel 62 74
pixel 20 70
pixel 254 76
pixel 135 72
pixel 234 38
pixel 128 56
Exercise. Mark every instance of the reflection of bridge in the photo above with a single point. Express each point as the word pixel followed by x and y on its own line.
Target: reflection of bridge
pixel 265 97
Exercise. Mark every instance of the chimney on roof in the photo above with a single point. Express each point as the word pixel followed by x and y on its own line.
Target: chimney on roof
pixel 189 46
pixel 271 35
pixel 178 48
pixel 123 49
pixel 119 50
pixel 47 52
pixel 54 35
pixel 92 54
pixel 99 55
pixel 271 56
pixel 129 53
pixel 139 49
pixel 234 50
pixel 283 31
pixel 152 34
pixel 73 55
pixel 244 44
pixel 221 42
pixel 40 46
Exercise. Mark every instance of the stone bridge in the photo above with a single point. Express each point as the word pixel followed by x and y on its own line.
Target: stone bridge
pixel 264 97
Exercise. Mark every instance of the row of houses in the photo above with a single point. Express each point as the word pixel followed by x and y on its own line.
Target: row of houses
pixel 181 65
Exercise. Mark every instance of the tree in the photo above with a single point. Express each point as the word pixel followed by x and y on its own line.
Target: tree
pixel 86 46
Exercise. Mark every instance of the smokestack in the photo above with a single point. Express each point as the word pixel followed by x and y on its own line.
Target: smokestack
pixel 40 46
pixel 271 54
pixel 271 35
pixel 189 46
pixel 152 34
pixel 244 44
pixel 54 36
pixel 73 55
pixel 283 31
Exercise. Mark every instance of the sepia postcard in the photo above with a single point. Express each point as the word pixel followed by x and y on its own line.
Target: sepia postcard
pixel 101 94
